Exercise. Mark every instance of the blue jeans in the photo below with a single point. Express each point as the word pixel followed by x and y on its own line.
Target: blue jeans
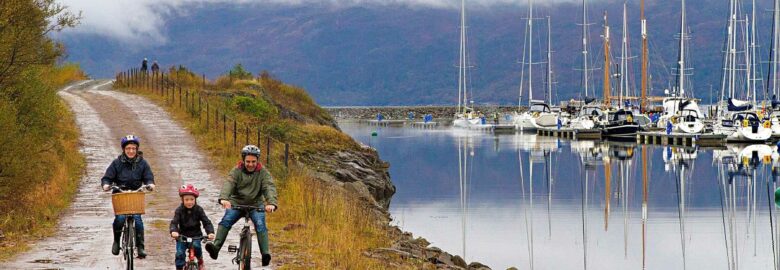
pixel 119 221
pixel 232 216
pixel 181 252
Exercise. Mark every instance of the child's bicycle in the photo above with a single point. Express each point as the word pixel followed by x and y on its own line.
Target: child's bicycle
pixel 244 250
pixel 128 229
pixel 191 261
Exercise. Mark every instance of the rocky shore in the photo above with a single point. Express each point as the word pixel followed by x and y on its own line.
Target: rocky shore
pixel 363 173
pixel 439 113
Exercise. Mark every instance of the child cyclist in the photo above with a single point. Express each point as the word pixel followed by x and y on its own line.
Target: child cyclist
pixel 187 222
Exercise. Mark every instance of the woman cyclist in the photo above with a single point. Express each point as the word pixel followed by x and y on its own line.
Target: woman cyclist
pixel 129 171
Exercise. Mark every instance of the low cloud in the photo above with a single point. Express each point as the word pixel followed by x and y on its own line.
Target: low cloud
pixel 140 21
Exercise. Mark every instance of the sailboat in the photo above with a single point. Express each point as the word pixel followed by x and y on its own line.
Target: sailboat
pixel 680 111
pixel 590 113
pixel 737 120
pixel 466 117
pixel 618 122
pixel 539 113
pixel 772 76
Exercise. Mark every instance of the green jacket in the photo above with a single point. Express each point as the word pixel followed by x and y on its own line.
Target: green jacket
pixel 245 188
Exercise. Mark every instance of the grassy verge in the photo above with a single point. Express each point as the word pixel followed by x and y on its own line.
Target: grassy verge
pixel 318 226
pixel 42 183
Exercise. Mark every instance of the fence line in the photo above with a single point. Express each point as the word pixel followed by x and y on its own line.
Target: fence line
pixel 163 85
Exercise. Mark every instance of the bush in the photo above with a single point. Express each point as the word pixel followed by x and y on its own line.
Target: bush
pixel 257 107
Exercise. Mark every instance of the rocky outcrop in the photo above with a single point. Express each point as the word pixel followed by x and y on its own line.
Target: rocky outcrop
pixel 361 172
pixel 409 247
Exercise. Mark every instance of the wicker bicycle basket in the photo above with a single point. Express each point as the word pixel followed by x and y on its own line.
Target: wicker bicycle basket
pixel 130 203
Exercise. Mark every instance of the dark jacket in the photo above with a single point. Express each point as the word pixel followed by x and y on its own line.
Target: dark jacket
pixel 187 221
pixel 128 173
pixel 249 188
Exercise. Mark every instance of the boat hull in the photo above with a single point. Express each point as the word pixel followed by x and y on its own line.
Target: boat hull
pixel 622 131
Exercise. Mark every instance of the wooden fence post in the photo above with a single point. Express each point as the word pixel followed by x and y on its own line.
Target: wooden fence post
pixel 268 150
pixel 286 154
pixel 235 130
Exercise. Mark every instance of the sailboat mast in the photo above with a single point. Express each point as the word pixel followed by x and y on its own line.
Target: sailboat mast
pixel 607 64
pixel 549 62
pixel 624 59
pixel 775 41
pixel 753 52
pixel 585 45
pixel 732 48
pixel 530 50
pixel 462 94
pixel 643 102
pixel 681 57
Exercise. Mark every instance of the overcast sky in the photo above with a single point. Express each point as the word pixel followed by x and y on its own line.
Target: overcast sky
pixel 140 20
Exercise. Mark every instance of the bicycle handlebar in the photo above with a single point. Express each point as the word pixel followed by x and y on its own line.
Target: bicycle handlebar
pixel 247 207
pixel 186 239
pixel 143 188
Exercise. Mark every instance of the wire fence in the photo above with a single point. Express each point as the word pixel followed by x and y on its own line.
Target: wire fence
pixel 198 103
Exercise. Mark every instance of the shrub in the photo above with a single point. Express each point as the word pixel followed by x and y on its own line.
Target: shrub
pixel 257 107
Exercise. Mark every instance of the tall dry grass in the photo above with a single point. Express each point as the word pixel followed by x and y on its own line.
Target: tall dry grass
pixel 328 228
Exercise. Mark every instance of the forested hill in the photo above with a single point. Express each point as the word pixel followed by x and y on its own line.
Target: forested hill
pixel 392 55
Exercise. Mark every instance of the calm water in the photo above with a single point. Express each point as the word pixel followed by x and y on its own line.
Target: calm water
pixel 543 203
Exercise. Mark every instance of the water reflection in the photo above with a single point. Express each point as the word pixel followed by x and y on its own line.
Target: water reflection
pixel 541 203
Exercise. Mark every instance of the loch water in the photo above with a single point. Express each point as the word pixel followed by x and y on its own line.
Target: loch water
pixel 537 202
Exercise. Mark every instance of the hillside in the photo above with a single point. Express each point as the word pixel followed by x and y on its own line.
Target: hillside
pixel 391 55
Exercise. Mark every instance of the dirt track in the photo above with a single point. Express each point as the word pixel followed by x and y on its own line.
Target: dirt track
pixel 83 237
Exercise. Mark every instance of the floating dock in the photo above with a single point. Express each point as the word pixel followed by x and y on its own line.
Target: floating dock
pixel 680 139
pixel 425 125
pixel 385 123
pixel 504 128
pixel 570 133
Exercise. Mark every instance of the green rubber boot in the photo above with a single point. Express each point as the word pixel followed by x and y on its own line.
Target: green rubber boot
pixel 213 247
pixel 262 241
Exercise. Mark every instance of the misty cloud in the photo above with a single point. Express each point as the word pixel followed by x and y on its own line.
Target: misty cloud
pixel 140 21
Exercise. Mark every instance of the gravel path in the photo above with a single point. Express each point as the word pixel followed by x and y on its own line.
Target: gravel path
pixel 83 237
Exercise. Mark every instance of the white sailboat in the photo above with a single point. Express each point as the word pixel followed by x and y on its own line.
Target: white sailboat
pixel 681 111
pixel 539 113
pixel 466 117
pixel 773 75
pixel 737 120
pixel 590 113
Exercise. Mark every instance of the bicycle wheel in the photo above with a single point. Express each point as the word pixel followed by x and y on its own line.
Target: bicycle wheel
pixel 245 251
pixel 129 242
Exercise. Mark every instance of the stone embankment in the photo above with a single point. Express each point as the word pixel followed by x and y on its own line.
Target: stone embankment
pixel 439 113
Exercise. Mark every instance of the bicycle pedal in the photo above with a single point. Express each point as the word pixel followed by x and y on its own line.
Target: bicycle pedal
pixel 232 248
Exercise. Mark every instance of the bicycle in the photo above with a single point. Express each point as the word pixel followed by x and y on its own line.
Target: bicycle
pixel 244 250
pixel 128 229
pixel 191 263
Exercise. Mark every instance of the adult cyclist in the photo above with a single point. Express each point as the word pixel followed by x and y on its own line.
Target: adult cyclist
pixel 249 184
pixel 129 171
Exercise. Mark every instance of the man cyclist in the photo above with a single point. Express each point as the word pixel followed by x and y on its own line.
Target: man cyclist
pixel 249 183
pixel 129 171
